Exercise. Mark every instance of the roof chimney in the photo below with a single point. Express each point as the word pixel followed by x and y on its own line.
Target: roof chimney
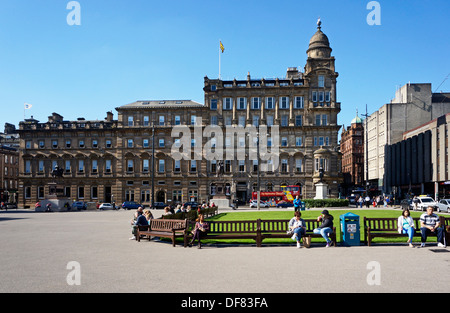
pixel 109 116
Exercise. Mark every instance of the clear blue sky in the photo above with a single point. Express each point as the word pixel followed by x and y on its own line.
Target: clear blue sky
pixel 125 51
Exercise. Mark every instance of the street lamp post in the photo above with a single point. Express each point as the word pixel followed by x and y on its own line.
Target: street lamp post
pixel 153 164
pixel 366 142
pixel 258 186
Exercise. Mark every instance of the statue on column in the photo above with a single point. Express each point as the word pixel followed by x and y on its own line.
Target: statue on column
pixel 321 172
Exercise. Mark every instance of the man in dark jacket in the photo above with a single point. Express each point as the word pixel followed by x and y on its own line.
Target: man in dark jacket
pixel 326 228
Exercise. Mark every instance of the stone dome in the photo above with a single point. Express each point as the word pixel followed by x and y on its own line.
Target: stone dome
pixel 319 45
pixel 319 40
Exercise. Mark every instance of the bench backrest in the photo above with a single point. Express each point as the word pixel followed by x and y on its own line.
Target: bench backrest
pixel 236 227
pixel 390 223
pixel 274 226
pixel 381 224
pixel 282 226
pixel 245 227
pixel 169 224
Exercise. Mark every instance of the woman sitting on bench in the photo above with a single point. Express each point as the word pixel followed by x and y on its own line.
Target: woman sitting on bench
pixel 406 226
pixel 200 229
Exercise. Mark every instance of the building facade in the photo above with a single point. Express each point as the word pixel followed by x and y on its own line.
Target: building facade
pixel 9 164
pixel 145 129
pixel 413 106
pixel 132 158
pixel 419 164
pixel 86 151
pixel 352 149
pixel 303 105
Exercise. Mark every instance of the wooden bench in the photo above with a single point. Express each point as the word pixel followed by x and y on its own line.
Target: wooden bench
pixel 256 230
pixel 447 229
pixel 387 227
pixel 279 228
pixel 166 228
pixel 227 230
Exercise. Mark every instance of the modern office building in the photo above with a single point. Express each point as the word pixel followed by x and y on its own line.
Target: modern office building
pixel 413 106
pixel 419 164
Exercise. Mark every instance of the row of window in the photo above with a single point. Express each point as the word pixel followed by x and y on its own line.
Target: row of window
pixel 255 103
pixel 130 143
pixel 13 159
pixel 284 102
pixel 81 166
pixel 55 144
pixel 318 141
pixel 94 195
pixel 241 104
pixel 10 184
pixel 320 83
pixel 241 166
pixel 257 84
pixel 161 120
pixel 9 171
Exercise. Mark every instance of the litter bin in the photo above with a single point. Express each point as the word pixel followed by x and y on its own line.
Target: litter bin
pixel 350 235
pixel 302 206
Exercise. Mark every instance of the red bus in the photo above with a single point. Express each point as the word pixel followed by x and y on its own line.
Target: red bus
pixel 287 193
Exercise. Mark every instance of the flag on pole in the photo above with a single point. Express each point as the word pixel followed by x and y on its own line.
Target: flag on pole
pixel 27 106
pixel 222 47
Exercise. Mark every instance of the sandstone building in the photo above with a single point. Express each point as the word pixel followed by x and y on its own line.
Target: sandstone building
pixel 352 149
pixel 130 158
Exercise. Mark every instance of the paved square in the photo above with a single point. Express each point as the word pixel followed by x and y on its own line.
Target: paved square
pixel 36 249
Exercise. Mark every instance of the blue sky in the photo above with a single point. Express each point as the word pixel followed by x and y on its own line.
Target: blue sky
pixel 125 51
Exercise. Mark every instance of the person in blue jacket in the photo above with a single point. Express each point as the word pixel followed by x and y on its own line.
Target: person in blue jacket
pixel 297 203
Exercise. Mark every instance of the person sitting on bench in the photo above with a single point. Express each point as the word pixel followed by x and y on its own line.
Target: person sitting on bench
pixel 429 223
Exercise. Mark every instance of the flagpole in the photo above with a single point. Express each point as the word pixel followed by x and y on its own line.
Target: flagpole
pixel 220 52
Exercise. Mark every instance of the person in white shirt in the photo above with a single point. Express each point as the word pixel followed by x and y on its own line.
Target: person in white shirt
pixel 405 225
pixel 297 226
pixel 429 223
pixel 367 201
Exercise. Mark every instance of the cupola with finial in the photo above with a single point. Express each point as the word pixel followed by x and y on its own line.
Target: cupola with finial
pixel 319 45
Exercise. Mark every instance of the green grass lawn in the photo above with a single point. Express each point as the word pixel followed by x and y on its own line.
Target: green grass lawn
pixel 286 215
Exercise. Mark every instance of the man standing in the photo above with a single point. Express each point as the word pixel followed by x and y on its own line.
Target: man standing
pixel 367 200
pixel 415 202
pixel 297 203
pixel 429 223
